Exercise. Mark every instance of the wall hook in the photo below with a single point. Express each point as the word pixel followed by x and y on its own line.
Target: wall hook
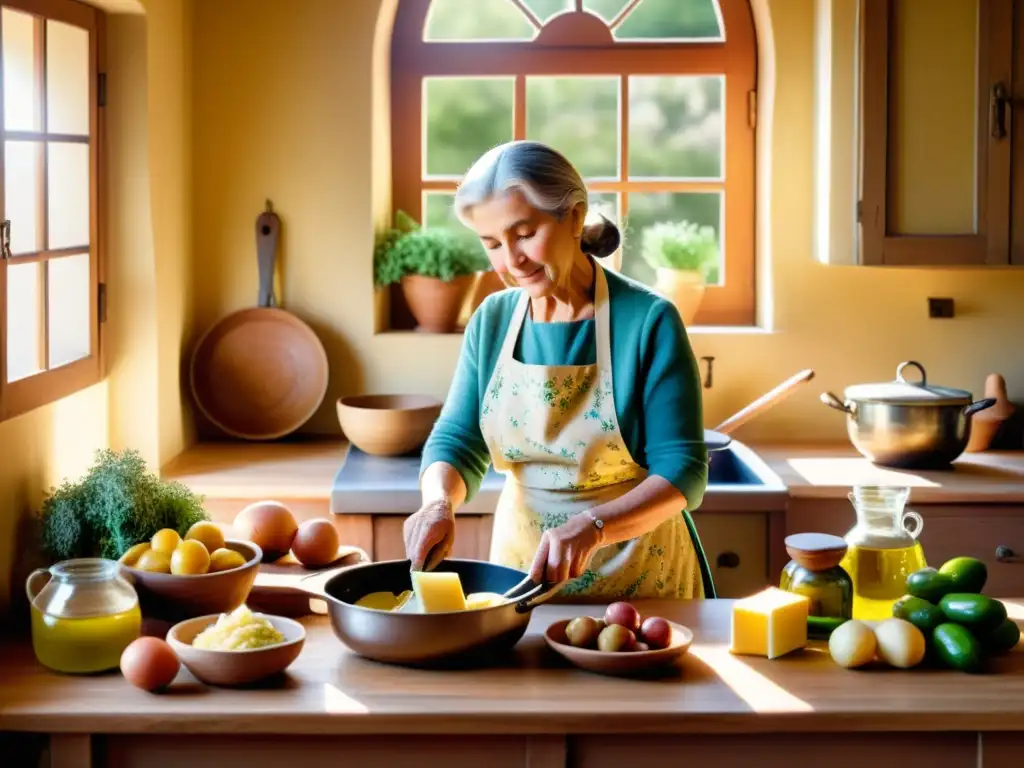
pixel 708 377
pixel 270 206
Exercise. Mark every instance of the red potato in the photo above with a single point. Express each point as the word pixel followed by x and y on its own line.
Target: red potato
pixel 642 646
pixel 623 614
pixel 615 638
pixel 656 632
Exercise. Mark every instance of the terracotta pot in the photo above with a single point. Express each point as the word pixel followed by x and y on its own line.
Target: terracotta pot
pixel 435 303
pixel 684 288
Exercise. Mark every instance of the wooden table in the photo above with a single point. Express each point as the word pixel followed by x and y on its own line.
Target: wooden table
pixel 531 710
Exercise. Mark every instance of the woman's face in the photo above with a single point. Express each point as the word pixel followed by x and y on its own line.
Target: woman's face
pixel 532 247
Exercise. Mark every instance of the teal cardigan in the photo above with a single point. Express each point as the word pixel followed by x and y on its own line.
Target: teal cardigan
pixel 656 384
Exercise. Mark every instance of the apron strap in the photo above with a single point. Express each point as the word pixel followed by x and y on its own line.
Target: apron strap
pixel 508 346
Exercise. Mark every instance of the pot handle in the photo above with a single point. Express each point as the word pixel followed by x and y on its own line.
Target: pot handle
pixel 911 363
pixel 980 405
pixel 834 402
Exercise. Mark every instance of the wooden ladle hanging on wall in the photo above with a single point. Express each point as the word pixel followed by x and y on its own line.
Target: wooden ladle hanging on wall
pixel 260 373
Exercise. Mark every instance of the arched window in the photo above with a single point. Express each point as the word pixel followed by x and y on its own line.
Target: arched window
pixel 653 101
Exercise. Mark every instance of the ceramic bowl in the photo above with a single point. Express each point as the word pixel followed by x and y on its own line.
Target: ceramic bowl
pixel 230 668
pixel 170 597
pixel 388 425
pixel 618 663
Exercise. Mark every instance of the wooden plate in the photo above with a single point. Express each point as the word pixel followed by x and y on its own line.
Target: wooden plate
pixel 620 663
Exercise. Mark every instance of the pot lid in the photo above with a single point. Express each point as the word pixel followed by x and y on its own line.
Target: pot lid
pixel 903 391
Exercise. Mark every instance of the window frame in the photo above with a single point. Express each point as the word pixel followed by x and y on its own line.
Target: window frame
pixel 558 53
pixel 53 384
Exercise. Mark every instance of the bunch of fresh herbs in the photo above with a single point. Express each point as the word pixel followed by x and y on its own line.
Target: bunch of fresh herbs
pixel 439 252
pixel 117 504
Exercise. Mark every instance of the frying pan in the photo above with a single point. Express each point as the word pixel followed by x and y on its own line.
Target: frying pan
pixel 428 639
pixel 260 373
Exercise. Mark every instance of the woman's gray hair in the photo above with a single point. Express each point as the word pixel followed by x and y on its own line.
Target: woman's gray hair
pixel 547 180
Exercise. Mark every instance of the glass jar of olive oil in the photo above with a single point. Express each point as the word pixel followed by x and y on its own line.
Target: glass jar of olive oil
pixel 815 573
pixel 84 614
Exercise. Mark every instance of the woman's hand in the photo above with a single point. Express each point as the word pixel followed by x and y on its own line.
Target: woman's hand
pixel 429 533
pixel 564 551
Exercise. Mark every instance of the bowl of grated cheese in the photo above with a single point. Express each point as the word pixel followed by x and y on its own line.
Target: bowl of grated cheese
pixel 236 648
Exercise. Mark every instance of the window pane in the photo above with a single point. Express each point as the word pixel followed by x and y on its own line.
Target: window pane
pixel 464 117
pixel 67 79
pixel 24 320
pixel 671 20
pixel 606 9
pixel 675 127
pixel 545 9
pixel 23 188
pixel 68 194
pixel 439 212
pixel 68 306
pixel 21 107
pixel 668 216
pixel 486 20
pixel 578 116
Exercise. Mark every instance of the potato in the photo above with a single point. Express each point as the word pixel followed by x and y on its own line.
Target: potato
pixel 190 558
pixel 623 614
pixel 852 644
pixel 132 554
pixel 154 561
pixel 165 540
pixel 900 643
pixel 582 632
pixel 208 534
pixel 616 637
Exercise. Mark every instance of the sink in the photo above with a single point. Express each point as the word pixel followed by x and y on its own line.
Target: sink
pixel 728 469
pixel 368 484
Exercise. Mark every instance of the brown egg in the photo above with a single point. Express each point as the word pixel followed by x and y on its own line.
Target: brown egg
pixel 316 543
pixel 270 525
pixel 149 663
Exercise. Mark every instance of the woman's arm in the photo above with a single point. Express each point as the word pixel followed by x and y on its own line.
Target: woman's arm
pixel 455 456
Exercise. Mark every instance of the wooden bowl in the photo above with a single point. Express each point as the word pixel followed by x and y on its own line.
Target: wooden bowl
pixel 228 668
pixel 621 662
pixel 388 425
pixel 171 597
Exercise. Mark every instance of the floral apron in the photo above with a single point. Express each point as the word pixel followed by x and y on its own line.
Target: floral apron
pixel 554 434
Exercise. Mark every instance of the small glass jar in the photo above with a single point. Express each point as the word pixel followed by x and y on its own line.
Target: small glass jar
pixel 815 573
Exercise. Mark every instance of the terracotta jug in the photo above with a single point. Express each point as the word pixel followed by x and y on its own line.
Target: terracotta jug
pixel 985 424
pixel 684 288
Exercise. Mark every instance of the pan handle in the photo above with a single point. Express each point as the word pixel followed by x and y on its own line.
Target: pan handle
pixel 268 227
pixel 540 593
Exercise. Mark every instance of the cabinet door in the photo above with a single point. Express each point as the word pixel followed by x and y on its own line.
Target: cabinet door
pixel 935 138
pixel 736 545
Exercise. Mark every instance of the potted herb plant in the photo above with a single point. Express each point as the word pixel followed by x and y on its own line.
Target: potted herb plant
pixel 436 268
pixel 684 256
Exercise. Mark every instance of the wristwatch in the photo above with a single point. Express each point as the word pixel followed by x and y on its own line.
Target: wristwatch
pixel 597 521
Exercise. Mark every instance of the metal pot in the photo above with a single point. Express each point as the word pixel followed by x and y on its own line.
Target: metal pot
pixel 430 639
pixel 908 425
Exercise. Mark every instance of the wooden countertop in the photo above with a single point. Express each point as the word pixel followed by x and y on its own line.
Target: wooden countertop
pixel 306 470
pixel 828 472
pixel 328 690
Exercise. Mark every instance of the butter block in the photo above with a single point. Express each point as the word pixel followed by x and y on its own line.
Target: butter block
pixel 771 623
pixel 438 592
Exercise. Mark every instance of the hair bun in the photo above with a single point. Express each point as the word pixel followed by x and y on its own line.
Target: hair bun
pixel 600 238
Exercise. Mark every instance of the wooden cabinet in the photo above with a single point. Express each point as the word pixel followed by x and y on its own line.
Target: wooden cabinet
pixel 940 149
pixel 993 533
pixel 736 545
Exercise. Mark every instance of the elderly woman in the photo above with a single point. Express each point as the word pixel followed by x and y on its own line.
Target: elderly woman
pixel 582 389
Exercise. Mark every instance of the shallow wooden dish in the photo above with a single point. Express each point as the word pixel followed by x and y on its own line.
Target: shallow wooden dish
pixel 388 425
pixel 231 668
pixel 622 662
pixel 169 597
